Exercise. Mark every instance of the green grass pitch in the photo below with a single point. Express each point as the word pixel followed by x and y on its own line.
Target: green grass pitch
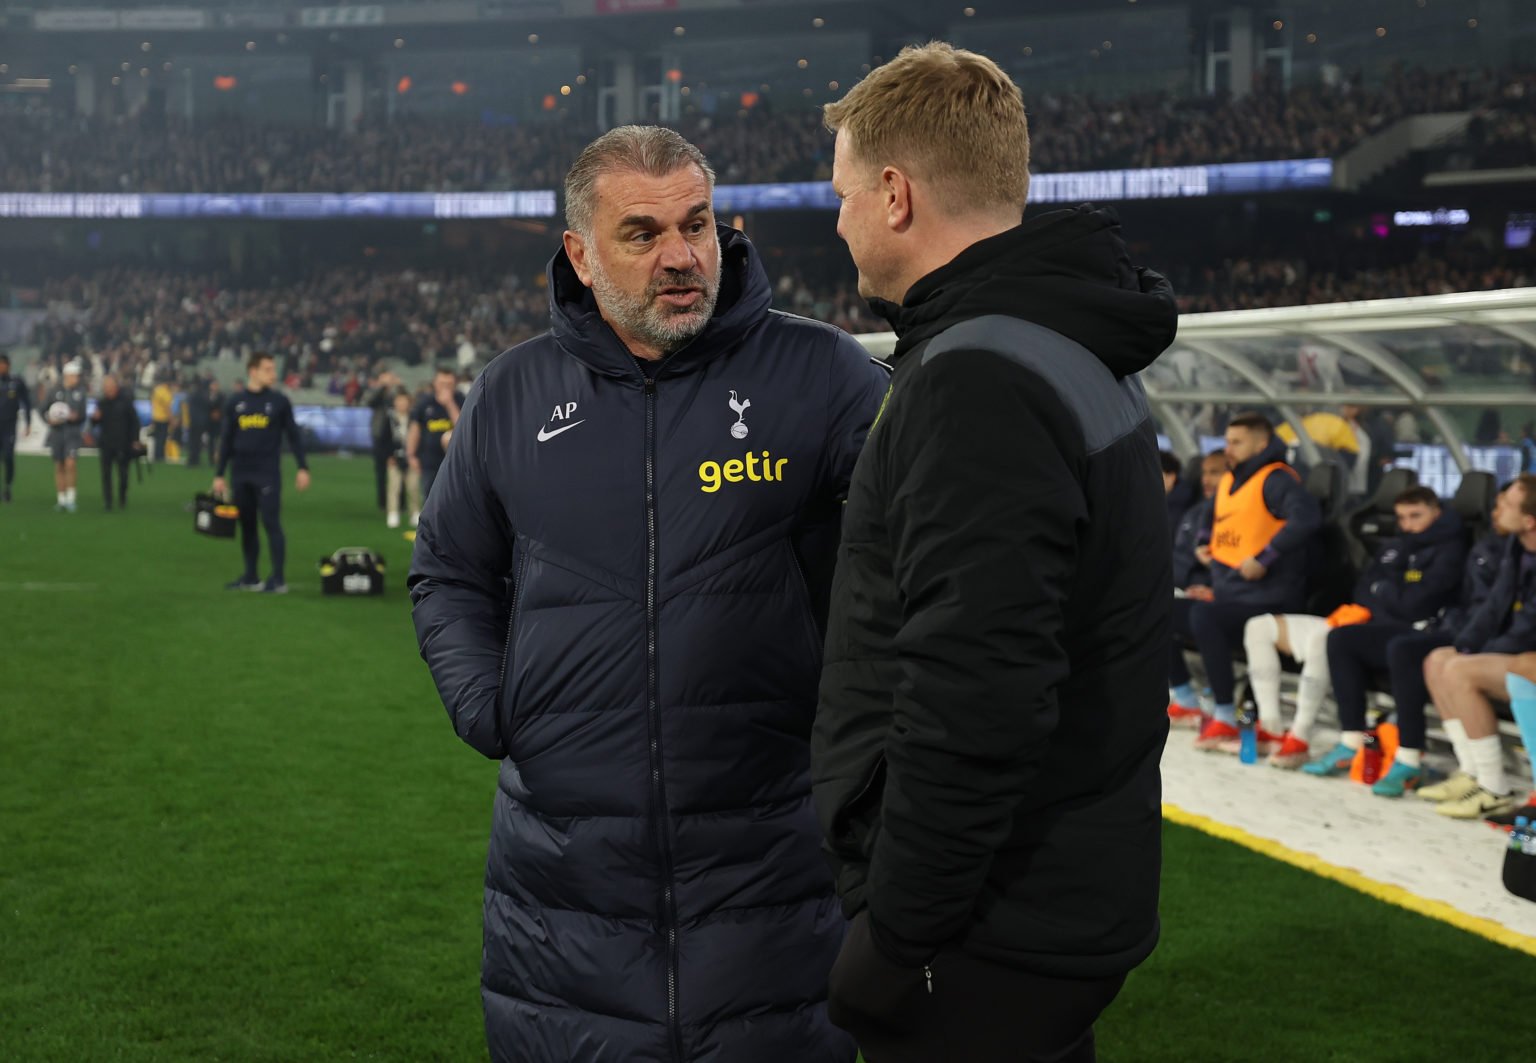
pixel 239 827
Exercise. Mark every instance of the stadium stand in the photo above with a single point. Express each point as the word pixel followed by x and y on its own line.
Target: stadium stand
pixel 44 150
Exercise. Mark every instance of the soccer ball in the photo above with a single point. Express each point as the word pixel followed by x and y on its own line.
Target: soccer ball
pixel 58 413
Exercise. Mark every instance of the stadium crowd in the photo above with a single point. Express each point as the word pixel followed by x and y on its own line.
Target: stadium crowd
pixel 328 326
pixel 340 321
pixel 323 327
pixel 1245 284
pixel 43 151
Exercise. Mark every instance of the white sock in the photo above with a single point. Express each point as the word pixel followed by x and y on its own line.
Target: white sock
pixel 1259 636
pixel 1488 756
pixel 69 496
pixel 1309 700
pixel 1353 739
pixel 1461 745
pixel 62 498
pixel 1411 758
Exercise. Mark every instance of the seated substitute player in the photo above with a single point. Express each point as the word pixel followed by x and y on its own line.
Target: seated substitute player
pixel 255 421
pixel 1355 654
pixel 1414 577
pixel 1262 524
pixel 65 414
pixel 1192 557
pixel 1465 679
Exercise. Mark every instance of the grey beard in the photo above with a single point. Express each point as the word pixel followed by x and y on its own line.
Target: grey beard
pixel 653 323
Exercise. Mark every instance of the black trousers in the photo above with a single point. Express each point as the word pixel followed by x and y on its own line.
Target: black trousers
pixel 119 460
pixel 381 472
pixel 972 1011
pixel 261 498
pixel 8 456
pixel 160 432
pixel 197 437
pixel 1217 628
pixel 1356 651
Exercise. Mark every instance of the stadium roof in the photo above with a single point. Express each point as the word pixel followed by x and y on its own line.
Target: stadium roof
pixel 1430 354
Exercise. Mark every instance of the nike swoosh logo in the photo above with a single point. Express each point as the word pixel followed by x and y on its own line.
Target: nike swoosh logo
pixel 546 434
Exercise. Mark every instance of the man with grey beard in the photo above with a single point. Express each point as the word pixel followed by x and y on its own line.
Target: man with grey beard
pixel 620 586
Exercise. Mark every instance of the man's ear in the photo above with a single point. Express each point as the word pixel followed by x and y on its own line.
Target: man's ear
pixel 896 191
pixel 576 250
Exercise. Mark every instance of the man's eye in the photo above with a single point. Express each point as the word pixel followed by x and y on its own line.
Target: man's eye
pixel 643 238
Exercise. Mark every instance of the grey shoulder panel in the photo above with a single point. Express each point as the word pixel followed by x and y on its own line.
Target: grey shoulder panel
pixel 1105 408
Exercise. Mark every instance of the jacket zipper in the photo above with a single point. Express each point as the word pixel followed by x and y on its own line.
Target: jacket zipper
pixel 653 719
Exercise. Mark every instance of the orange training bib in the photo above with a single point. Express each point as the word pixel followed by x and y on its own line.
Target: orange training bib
pixel 1243 525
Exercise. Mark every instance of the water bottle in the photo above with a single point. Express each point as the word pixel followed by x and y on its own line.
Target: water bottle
pixel 1248 738
pixel 1520 835
pixel 1370 764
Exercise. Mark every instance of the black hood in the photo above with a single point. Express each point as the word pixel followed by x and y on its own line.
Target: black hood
pixel 1273 452
pixel 1068 270
pixel 1448 527
pixel 581 332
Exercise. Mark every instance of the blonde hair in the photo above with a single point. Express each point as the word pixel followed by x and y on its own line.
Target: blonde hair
pixel 646 149
pixel 945 116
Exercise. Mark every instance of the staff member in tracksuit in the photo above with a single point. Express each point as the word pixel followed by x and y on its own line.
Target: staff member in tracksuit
pixel 432 421
pixel 116 428
pixel 15 400
pixel 1262 531
pixel 660 478
pixel 256 419
pixel 987 744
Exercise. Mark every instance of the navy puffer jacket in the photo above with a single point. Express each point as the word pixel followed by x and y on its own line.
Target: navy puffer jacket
pixel 1416 576
pixel 619 586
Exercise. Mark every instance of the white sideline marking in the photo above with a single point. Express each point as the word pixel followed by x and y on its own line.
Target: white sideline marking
pixel 38 585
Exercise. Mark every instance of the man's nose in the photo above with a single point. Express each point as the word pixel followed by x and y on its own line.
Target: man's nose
pixel 677 254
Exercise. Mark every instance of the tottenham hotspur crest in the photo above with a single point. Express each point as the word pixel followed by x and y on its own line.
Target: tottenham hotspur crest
pixel 739 429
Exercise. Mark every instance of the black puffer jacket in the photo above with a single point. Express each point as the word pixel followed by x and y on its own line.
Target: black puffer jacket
pixel 993 704
pixel 654 889
pixel 1416 576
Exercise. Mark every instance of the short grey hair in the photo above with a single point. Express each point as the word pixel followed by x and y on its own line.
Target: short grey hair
pixel 645 149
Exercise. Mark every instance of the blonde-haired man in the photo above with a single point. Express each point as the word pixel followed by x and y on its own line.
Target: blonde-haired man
pixel 992 705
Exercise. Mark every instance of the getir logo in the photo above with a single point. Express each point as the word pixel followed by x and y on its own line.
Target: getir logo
pixel 439 425
pixel 758 469
pixel 253 420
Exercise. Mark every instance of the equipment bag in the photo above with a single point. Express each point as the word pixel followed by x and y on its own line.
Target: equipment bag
pixel 214 516
pixel 354 570
pixel 1520 872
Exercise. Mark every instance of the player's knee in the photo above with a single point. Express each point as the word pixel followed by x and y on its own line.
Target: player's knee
pixel 1261 632
pixel 1317 645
